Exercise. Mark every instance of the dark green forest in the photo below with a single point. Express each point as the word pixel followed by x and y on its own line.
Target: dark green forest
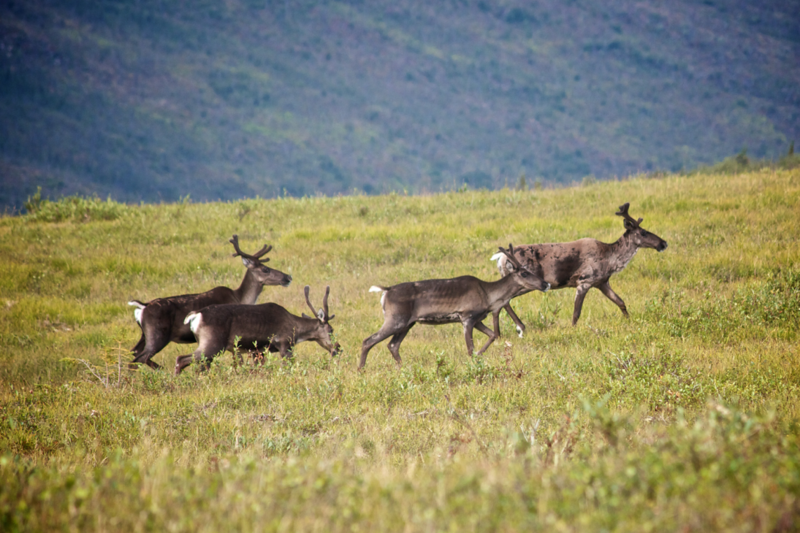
pixel 155 100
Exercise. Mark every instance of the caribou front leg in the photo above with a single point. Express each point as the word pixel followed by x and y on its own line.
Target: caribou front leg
pixel 493 335
pixel 605 288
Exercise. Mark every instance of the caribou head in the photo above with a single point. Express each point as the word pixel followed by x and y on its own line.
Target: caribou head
pixel 323 335
pixel 640 236
pixel 257 267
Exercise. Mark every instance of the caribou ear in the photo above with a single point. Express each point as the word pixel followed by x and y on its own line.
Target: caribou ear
pixel 321 315
pixel 629 224
pixel 249 263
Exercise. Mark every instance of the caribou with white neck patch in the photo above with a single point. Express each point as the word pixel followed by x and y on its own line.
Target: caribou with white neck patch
pixel 465 299
pixel 582 264
pixel 162 319
pixel 255 328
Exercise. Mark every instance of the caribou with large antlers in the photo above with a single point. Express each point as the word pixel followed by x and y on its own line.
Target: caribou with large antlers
pixel 255 328
pixel 465 299
pixel 162 319
pixel 582 264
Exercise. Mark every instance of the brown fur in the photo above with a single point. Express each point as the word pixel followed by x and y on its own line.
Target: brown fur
pixel 583 264
pixel 257 328
pixel 465 299
pixel 162 319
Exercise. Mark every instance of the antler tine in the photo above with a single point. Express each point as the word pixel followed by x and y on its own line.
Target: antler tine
pixel 235 242
pixel 623 212
pixel 313 311
pixel 325 301
pixel 264 250
pixel 510 255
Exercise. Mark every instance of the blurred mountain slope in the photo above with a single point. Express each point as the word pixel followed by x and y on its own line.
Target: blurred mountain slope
pixel 153 100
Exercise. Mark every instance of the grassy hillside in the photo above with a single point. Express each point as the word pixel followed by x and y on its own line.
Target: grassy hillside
pixel 684 417
pixel 155 100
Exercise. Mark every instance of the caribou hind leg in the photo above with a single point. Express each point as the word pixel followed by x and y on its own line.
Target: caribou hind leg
pixel 515 318
pixel 394 344
pixel 579 297
pixel 155 341
pixel 386 331
pixel 139 348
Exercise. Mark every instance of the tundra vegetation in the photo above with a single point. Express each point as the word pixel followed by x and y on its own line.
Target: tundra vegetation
pixel 684 417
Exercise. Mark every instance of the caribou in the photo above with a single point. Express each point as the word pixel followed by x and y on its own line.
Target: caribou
pixel 465 299
pixel 256 328
pixel 162 319
pixel 582 264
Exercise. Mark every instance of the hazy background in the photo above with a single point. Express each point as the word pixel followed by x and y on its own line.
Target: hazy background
pixel 153 100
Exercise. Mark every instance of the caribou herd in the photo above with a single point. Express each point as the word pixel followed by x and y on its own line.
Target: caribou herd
pixel 228 319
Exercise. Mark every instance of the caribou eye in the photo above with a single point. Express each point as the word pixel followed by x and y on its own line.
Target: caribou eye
pixel 523 274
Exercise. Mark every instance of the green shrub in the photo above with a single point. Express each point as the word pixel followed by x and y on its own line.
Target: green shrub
pixel 74 208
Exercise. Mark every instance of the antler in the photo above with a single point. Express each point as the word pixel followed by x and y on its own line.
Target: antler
pixel 623 212
pixel 264 250
pixel 256 256
pixel 325 303
pixel 510 254
pixel 235 242
pixel 313 311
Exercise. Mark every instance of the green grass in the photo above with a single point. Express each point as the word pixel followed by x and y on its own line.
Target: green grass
pixel 684 417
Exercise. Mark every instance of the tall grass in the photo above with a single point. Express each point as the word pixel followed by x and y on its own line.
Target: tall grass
pixel 683 417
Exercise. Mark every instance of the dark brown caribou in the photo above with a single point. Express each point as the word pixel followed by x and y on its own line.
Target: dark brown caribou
pixel 162 319
pixel 255 328
pixel 582 264
pixel 465 299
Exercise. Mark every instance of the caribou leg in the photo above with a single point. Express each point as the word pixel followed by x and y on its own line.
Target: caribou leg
pixel 605 288
pixel 156 339
pixel 385 332
pixel 480 326
pixel 182 362
pixel 515 318
pixel 394 344
pixel 579 296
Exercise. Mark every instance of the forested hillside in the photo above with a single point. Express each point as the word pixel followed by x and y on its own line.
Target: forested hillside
pixel 155 100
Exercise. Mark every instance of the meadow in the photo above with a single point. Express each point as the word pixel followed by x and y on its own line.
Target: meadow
pixel 684 417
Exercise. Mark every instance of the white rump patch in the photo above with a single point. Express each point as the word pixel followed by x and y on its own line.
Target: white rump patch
pixel 193 319
pixel 501 259
pixel 137 313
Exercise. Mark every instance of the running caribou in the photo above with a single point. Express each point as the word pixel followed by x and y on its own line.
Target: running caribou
pixel 255 328
pixel 465 299
pixel 162 319
pixel 582 264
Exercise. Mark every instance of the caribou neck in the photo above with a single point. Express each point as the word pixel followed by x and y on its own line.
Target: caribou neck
pixel 504 289
pixel 249 290
pixel 623 251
